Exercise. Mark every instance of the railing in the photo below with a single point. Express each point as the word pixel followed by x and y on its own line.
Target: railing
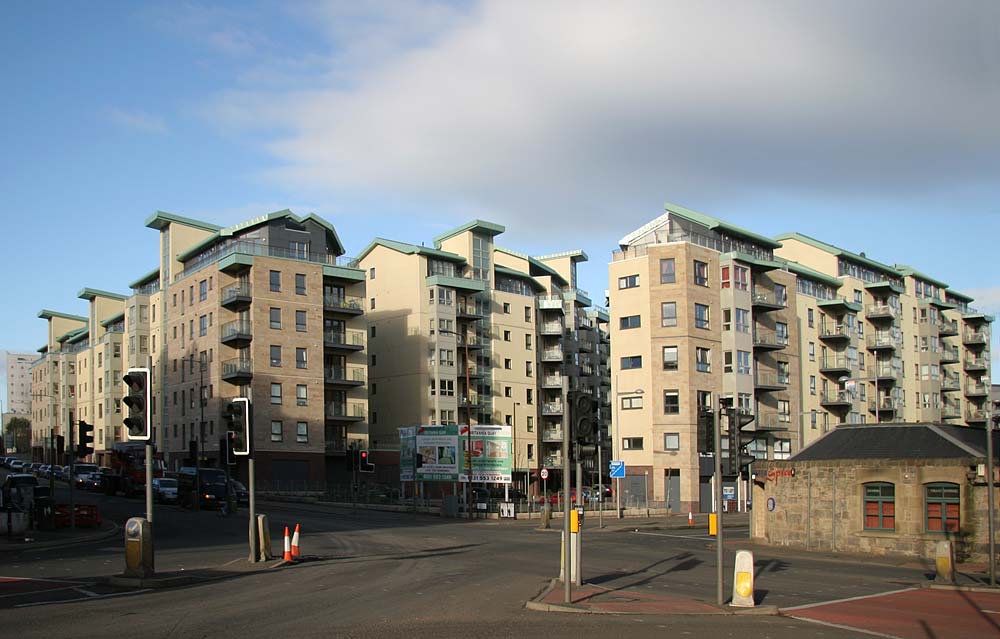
pixel 882 310
pixel 234 328
pixel 239 290
pixel 834 330
pixel 552 380
pixel 551 328
pixel 347 302
pixel 237 366
pixel 950 381
pixel 837 397
pixel 552 408
pixel 721 244
pixel 344 374
pixel 334 410
pixel 883 369
pixel 948 328
pixel 552 354
pixel 772 420
pixel 770 378
pixel 883 340
pixel 764 296
pixel 975 337
pixel 472 340
pixel 552 434
pixel 886 403
pixel 229 247
pixel 951 411
pixel 585 322
pixel 766 337
pixel 976 362
pixel 838 362
pixel 977 389
pixel 472 400
pixel 552 461
pixel 147 289
pixel 977 414
pixel 950 354
pixel 348 337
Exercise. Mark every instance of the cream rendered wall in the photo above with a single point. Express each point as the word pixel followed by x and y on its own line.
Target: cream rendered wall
pixel 515 379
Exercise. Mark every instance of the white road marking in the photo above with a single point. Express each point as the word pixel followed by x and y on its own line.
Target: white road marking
pixel 706 538
pixel 843 627
pixel 117 594
pixel 858 598
pixel 89 593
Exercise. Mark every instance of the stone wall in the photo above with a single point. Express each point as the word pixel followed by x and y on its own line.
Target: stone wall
pixel 819 505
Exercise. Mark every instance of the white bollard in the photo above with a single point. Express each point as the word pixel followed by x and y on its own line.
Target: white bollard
pixel 743 580
pixel 944 558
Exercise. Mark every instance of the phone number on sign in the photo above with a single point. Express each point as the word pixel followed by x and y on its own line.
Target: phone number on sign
pixel 488 477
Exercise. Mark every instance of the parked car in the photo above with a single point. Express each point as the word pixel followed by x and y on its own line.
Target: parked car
pixel 60 472
pixel 44 470
pixel 165 490
pixel 17 466
pixel 33 468
pixel 241 492
pixel 82 470
pixel 92 481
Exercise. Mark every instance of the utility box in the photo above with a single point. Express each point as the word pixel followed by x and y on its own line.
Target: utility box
pixel 138 548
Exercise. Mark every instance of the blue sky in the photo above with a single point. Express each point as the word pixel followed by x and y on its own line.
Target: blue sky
pixel 571 123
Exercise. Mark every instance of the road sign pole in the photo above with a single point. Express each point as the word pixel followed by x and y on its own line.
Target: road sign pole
pixel 600 483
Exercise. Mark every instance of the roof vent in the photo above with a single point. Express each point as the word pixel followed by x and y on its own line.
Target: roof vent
pixel 862 254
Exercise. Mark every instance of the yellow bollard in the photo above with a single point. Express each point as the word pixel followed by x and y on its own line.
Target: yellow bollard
pixel 713 524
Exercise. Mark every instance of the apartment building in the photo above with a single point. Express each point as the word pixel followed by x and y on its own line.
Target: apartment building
pixel 472 332
pixel 801 334
pixel 18 384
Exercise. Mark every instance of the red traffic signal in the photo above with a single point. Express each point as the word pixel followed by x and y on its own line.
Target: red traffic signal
pixel 364 465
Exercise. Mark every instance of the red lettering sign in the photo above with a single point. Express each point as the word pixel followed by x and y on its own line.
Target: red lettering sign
pixel 775 474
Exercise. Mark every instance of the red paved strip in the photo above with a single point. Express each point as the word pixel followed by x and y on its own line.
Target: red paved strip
pixel 916 614
pixel 19 585
pixel 629 601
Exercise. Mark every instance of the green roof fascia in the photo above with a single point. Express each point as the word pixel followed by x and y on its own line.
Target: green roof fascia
pixel 912 272
pixel 114 318
pixel 750 259
pixel 146 279
pixel 344 272
pixel 235 258
pixel 575 295
pixel 961 296
pixel 490 228
pixel 977 315
pixel 90 293
pixel 805 271
pixel 715 224
pixel 161 219
pixel 839 252
pixel 47 314
pixel 229 231
pixel 477 286
pixel 43 350
pixel 599 313
pixel 78 337
pixel 534 262
pixel 71 333
pixel 886 284
pixel 411 249
pixel 521 275
pixel 576 255
pixel 840 301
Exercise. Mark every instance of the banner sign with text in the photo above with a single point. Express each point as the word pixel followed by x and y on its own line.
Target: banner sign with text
pixel 441 453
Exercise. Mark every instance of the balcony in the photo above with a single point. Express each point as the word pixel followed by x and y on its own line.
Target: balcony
pixel 585 323
pixel 551 328
pixel 552 355
pixel 467 312
pixel 882 341
pixel 335 446
pixel 950 383
pixel 471 342
pixel 552 408
pixel 772 420
pixel 765 339
pixel 839 364
pixel 585 346
pixel 550 303
pixel 473 371
pixel 975 415
pixel 837 399
pixel 947 329
pixel 770 381
pixel 552 381
pixel 472 401
pixel 344 375
pixel 886 371
pixel 834 332
pixel 765 300
pixel 343 304
pixel 881 311
pixel 345 411
pixel 951 411
pixel 980 363
pixel 237 370
pixel 237 333
pixel 349 340
pixel 552 435
pixel 974 389
pixel 975 338
pixel 884 406
pixel 949 355
pixel 552 461
pixel 236 297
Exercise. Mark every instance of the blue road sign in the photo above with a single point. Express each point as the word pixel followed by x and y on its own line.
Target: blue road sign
pixel 617 469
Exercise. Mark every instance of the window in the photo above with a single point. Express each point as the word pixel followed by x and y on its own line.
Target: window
pixel 880 506
pixel 742 278
pixel 727 319
pixel 527 313
pixel 529 396
pixel 300 321
pixel 629 321
pixel 812 384
pixel 371 304
pixel 705 400
pixel 942 507
pixel 633 361
pixel 372 331
pixel 671 402
pixel 632 443
pixel 531 451
pixel 371 273
pixel 531 424
pixel 300 358
pixel 275 355
pixel 629 281
pixel 781 331
pixel 703 357
pixel 668 314
pixel 506 336
pixel 783 373
pixel 446 357
pixel 527 369
pixel 667 274
pixel 527 342
pixel 809 317
pixel 700 315
pixel 812 352
pixel 277 431
pixel 202 290
pixel 300 284
pixel 301 395
pixel 671 441
pixel 275 316
pixel 743 320
pixel 632 403
pixel 508 391
pixel 507 364
pixel 743 362
pixel 302 432
pixel 700 273
pixel 506 308
pixel 727 362
pixel 276 394
pixel 724 278
pixel 669 358
pixel 276 284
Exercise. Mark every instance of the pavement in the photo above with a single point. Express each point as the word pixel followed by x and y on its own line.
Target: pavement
pixel 58 538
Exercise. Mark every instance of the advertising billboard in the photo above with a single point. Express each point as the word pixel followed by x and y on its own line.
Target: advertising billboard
pixel 442 453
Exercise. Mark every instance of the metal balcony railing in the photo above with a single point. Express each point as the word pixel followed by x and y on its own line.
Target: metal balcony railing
pixel 235 328
pixel 977 414
pixel 767 337
pixel 349 337
pixel 834 330
pixel 231 293
pixel 975 337
pixel 552 435
pixel 349 409
pixel 948 328
pixel 976 362
pixel 552 408
pixel 552 380
pixel 883 340
pixel 951 411
pixel 977 389
pixel 343 302
pixel 344 374
pixel 237 366
pixel 837 397
pixel 882 310
pixel 838 362
pixel 770 378
pixel 762 296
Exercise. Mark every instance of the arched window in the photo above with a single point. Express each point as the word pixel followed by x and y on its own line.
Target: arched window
pixel 942 501
pixel 880 506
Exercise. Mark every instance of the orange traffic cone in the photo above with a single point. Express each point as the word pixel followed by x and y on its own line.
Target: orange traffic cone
pixel 295 542
pixel 288 548
pixel 690 519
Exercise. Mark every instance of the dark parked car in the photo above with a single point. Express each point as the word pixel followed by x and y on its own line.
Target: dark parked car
pixel 241 492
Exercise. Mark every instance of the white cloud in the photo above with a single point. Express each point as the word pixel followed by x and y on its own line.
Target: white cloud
pixel 570 111
pixel 137 120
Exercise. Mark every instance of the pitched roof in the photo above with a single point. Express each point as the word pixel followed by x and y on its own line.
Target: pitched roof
pixel 229 231
pixel 161 219
pixel 897 441
pixel 839 252
pixel 709 222
pixel 146 279
pixel 47 315
pixel 411 249
pixel 91 293
pixel 490 228
pixel 910 271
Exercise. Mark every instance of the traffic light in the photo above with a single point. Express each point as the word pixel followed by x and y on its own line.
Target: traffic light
pixel 137 401
pixel 85 439
pixel 364 462
pixel 581 416
pixel 706 430
pixel 739 440
pixel 60 447
pixel 226 449
pixel 236 416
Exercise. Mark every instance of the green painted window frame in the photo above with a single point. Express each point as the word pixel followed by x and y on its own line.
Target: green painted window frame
pixel 942 494
pixel 881 495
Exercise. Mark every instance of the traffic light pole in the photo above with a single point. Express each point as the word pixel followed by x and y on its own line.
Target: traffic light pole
pixel 71 479
pixel 149 482
pixel 254 547
pixel 567 555
pixel 717 489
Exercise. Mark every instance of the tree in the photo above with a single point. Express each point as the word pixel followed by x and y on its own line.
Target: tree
pixel 19 431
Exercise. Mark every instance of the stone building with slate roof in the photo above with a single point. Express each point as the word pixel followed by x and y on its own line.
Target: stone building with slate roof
pixel 883 490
